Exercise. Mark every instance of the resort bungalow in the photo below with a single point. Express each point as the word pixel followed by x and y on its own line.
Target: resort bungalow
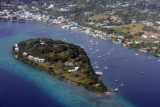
pixel 25 53
pixel 16 49
pixel 41 60
pixel 30 57
pixel 36 59
pixel 16 45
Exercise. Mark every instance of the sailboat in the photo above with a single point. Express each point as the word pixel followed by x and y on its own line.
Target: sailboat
pixel 106 67
pixel 117 80
pixel 121 84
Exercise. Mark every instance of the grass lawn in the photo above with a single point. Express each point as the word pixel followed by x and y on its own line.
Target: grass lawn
pixel 139 38
pixel 99 16
pixel 129 27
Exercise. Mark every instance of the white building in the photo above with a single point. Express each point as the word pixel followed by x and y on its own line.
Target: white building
pixel 16 45
pixel 41 60
pixel 36 59
pixel 25 53
pixel 16 49
pixel 30 57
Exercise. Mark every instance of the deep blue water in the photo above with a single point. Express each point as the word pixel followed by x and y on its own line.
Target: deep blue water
pixel 24 86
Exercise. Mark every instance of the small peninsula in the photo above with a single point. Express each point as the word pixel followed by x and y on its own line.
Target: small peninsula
pixel 63 60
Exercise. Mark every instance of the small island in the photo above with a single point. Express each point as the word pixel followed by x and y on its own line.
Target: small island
pixel 63 60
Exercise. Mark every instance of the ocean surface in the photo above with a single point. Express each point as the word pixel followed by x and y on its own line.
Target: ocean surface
pixel 25 86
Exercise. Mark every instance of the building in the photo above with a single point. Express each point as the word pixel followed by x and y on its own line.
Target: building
pixel 16 45
pixel 30 57
pixel 157 35
pixel 25 53
pixel 133 32
pixel 41 60
pixel 147 35
pixel 16 49
pixel 35 59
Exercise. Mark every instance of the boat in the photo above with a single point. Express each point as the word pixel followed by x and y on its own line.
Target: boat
pixel 99 56
pixel 159 60
pixel 95 62
pixel 99 73
pixel 94 52
pixel 149 57
pixel 96 67
pixel 116 90
pixel 136 54
pixel 117 80
pixel 97 50
pixel 106 67
pixel 122 85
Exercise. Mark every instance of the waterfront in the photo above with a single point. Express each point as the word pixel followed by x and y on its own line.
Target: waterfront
pixel 139 89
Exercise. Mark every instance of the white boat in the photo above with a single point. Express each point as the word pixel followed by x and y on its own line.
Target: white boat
pixel 97 50
pixel 95 62
pixel 106 67
pixel 96 67
pixel 117 80
pixel 99 73
pixel 136 54
pixel 99 56
pixel 159 60
pixel 116 89
pixel 122 85
pixel 94 52
pixel 149 57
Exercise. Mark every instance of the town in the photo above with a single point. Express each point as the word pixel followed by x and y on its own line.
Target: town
pixel 106 21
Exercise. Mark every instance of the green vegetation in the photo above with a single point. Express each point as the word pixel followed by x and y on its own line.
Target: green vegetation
pixel 59 58
pixel 99 17
pixel 129 27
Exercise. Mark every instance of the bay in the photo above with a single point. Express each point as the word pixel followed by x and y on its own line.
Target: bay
pixel 35 88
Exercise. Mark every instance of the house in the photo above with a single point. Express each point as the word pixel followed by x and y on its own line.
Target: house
pixel 25 53
pixel 50 6
pixel 16 49
pixel 41 60
pixel 133 32
pixel 30 57
pixel 157 36
pixel 16 45
pixel 35 59
pixel 147 35
pixel 145 50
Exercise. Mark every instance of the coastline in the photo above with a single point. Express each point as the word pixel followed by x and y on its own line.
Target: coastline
pixel 60 25
pixel 90 84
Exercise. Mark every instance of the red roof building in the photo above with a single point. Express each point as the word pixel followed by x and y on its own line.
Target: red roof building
pixel 147 35
pixel 133 32
pixel 157 35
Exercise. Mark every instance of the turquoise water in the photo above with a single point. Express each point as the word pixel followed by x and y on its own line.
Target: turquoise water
pixel 48 91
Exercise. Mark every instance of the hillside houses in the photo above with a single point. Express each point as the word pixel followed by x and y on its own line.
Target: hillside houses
pixel 150 35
